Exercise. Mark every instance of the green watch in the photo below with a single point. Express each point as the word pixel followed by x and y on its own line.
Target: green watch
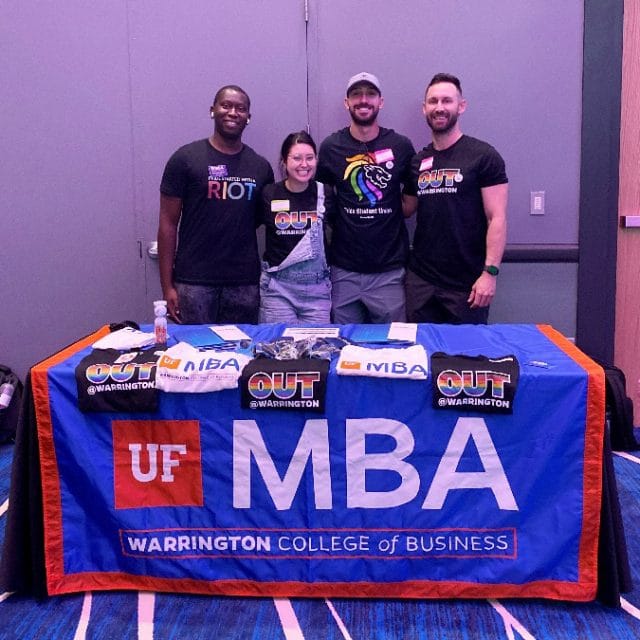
pixel 491 269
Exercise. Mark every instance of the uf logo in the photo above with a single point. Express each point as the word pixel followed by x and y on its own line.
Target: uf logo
pixel 168 462
pixel 157 463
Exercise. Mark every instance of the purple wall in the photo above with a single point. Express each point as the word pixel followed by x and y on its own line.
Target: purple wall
pixel 98 96
pixel 69 252
pixel 520 64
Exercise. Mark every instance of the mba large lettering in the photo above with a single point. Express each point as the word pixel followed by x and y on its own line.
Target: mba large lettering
pixel 313 448
pixel 313 443
pixel 448 478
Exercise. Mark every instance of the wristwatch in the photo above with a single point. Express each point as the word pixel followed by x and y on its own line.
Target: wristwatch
pixel 491 269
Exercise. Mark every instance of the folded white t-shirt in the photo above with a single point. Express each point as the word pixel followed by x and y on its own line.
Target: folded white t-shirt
pixel 410 362
pixel 125 338
pixel 185 369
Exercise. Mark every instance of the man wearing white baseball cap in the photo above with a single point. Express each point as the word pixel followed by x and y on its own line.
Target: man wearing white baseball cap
pixel 367 165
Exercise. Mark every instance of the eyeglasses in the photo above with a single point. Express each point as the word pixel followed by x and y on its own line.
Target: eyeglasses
pixel 300 159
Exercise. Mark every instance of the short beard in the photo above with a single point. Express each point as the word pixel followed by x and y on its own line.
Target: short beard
pixel 364 122
pixel 450 124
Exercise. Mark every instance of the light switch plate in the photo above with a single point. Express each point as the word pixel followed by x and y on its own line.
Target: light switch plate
pixel 537 203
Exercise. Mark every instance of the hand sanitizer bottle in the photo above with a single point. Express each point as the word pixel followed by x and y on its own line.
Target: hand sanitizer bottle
pixel 160 322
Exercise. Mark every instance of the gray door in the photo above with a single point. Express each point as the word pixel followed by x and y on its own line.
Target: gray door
pixel 178 61
pixel 68 250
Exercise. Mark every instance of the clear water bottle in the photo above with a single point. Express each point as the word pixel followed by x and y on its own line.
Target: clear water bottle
pixel 160 321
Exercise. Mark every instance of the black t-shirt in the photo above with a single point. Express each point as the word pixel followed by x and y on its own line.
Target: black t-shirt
pixel 368 233
pixel 474 383
pixel 288 215
pixel 108 380
pixel 221 201
pixel 449 245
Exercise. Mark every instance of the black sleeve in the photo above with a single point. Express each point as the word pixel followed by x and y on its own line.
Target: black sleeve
pixel 405 177
pixel 265 205
pixel 266 193
pixel 174 177
pixel 330 205
pixel 323 172
pixel 410 187
pixel 270 177
pixel 492 169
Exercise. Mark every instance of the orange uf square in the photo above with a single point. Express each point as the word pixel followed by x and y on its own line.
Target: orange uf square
pixel 157 463
pixel 169 362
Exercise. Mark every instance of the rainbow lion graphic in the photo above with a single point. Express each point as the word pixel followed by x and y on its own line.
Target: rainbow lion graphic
pixel 368 179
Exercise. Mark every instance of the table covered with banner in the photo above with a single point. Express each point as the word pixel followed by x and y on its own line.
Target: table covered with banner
pixel 474 472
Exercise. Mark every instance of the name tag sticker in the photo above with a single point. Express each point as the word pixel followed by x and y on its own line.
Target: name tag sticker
pixel 218 171
pixel 384 155
pixel 280 205
pixel 426 163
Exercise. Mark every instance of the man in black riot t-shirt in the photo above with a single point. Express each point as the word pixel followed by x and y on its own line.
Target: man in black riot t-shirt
pixel 367 166
pixel 461 229
pixel 209 209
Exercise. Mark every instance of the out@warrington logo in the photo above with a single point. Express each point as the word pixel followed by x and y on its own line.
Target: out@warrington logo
pixel 295 219
pixel 157 463
pixel 124 372
pixel 283 385
pixel 439 178
pixel 474 384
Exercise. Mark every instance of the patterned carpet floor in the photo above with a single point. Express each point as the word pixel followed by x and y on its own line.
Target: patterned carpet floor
pixel 146 616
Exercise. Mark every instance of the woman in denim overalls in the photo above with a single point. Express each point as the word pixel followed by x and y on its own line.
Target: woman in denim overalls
pixel 295 287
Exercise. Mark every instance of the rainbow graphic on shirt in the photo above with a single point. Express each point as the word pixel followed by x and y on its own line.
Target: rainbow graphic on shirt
pixel 124 372
pixel 368 179
pixel 283 385
pixel 472 383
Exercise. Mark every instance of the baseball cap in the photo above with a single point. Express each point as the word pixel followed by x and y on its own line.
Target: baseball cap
pixel 363 76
